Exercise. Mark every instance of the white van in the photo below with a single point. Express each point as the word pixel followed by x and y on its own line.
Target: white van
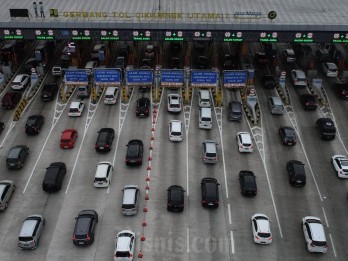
pixel 111 95
pixel 203 98
pixel 205 120
pixel 175 130
pixel 130 200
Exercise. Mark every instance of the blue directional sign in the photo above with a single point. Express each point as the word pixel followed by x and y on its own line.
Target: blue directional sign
pixel 234 79
pixel 172 77
pixel 76 77
pixel 138 77
pixel 203 78
pixel 110 76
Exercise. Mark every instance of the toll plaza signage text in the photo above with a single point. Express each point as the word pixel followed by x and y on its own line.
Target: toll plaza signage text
pixel 139 77
pixel 203 78
pixel 107 76
pixel 76 77
pixel 172 78
pixel 235 79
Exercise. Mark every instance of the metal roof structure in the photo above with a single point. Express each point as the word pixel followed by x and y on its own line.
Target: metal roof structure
pixel 317 15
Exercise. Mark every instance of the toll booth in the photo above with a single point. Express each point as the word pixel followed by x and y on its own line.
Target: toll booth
pixel 136 78
pixel 102 78
pixel 72 79
pixel 205 79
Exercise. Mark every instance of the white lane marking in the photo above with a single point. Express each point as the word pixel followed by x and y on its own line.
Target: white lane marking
pixel 327 223
pixel 187 166
pixel 188 240
pixel 232 242
pixel 229 213
pixel 37 160
pixel 75 163
pixel 333 246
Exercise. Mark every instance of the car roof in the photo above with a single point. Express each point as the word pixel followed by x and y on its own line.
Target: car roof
pixel 176 125
pixel 245 136
pixel 29 225
pixel 19 77
pixel 290 51
pixel 102 169
pixel 75 104
pixel 263 225
pixel 110 90
pixel 210 146
pixel 331 65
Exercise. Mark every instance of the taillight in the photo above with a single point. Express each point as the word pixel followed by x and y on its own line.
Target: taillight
pixel 316 103
pixel 88 237
pixel 107 145
pixel 73 237
pixel 130 255
pixel 307 103
pixel 241 146
pixel 257 238
pixel 204 202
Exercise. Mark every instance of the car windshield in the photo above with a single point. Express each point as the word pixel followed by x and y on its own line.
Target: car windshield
pixel 31 121
pixel 103 136
pixel 109 96
pixel 133 150
pixel 319 243
pixel 264 235
pixel 142 103
pixel 122 254
pixel 73 110
pixel 14 152
pixel 25 239
pixel 344 162
pixel 301 79
pixel 289 132
pixel 174 133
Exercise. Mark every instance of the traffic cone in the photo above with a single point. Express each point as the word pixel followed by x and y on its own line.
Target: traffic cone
pixel 149 158
pixel 148 168
pixel 144 223
pixel 145 209
pixel 147 178
pixel 140 255
pixel 142 237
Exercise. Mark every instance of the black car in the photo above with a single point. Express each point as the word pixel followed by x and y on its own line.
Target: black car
pixel 54 177
pixel 17 156
pixel 143 107
pixel 49 91
pixel 175 198
pixel 260 58
pixel 296 171
pixel 268 81
pixel 10 100
pixel 34 124
pixel 104 140
pixel 341 89
pixel 326 128
pixel 134 154
pixel 308 101
pixel 287 135
pixel 86 222
pixel 210 192
pixel 247 182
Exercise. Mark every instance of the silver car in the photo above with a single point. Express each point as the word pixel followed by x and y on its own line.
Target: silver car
pixel 7 187
pixel 31 231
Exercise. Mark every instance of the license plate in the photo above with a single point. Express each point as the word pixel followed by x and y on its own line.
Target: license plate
pixel 81 243
pixel 45 96
pixel 210 204
pixel 65 147
pixel 101 148
pixel 289 143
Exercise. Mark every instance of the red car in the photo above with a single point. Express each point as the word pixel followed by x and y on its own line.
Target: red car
pixel 67 141
pixel 11 99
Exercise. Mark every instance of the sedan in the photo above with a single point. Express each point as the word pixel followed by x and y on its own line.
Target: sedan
pixel 175 198
pixel 260 226
pixel 308 101
pixel 174 103
pixel 247 182
pixel 244 142
pixel 86 222
pixel 287 135
pixel 34 124
pixel 340 163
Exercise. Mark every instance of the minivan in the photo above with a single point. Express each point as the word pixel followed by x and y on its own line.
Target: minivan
pixel 130 200
pixel 31 231
pixel 83 91
pixel 204 120
pixel 111 95
pixel 234 111
pixel 275 105
pixel 175 130
pixel 209 152
pixel 203 98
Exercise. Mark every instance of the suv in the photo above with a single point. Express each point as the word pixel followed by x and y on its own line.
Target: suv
pixel 326 128
pixel 104 140
pixel 289 55
pixel 244 142
pixel 143 107
pixel 124 245
pixel 21 82
pixel 175 198
pixel 103 174
pixel 34 124
pixel 210 192
pixel 134 154
pixel 7 187
pixel 314 234
pixel 10 100
pixel 287 135
pixel 29 236
pixel 17 156
pixel 247 182
pixel 308 101
pixel 54 177
pixel 86 222
pixel 209 152
pixel 296 171
pixel 49 91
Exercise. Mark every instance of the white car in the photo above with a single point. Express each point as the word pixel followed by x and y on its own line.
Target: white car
pixel 175 130
pixel 103 174
pixel 244 141
pixel 330 69
pixel 299 78
pixel 289 55
pixel 20 82
pixel 76 108
pixel 111 95
pixel 314 234
pixel 174 103
pixel 340 164
pixel 260 225
pixel 124 245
